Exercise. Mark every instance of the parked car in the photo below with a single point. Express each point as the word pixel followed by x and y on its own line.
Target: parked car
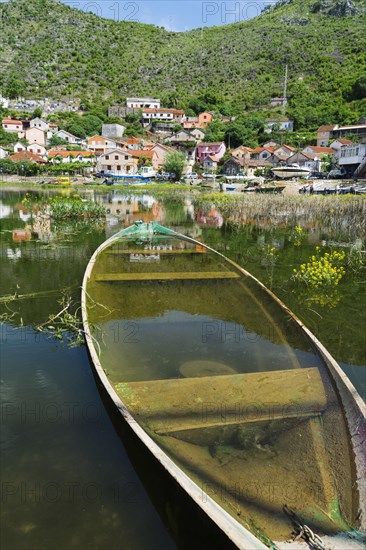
pixel 337 174
pixel 317 175
pixel 99 175
pixel 191 176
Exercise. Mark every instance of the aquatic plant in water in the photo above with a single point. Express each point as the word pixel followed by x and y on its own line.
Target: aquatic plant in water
pixel 321 270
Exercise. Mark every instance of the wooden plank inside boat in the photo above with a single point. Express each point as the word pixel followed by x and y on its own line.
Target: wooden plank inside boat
pixel 158 251
pixel 171 276
pixel 190 403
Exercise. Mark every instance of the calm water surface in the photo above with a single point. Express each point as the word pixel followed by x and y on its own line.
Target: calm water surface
pixel 67 478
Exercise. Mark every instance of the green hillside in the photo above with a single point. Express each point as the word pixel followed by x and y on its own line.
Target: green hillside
pixel 49 49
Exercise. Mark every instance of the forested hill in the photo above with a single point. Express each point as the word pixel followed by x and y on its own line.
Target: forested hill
pixel 49 49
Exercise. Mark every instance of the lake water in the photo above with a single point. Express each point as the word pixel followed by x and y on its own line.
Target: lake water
pixel 69 478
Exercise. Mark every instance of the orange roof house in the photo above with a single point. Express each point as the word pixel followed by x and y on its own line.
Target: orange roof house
pixel 28 156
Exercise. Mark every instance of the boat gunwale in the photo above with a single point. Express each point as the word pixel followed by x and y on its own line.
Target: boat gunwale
pixel 354 407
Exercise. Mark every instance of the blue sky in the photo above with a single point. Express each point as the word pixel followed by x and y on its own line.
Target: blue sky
pixel 174 15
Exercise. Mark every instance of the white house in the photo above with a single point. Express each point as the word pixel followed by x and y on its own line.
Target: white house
pixel 3 153
pixel 70 138
pixel 143 103
pixel 19 147
pixel 283 123
pixel 351 156
pixel 169 115
pixel 39 123
pixel 37 149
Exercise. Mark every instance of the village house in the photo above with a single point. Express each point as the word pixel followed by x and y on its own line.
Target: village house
pixel 339 142
pixel 262 153
pixel 67 136
pixel 255 164
pixel 3 153
pixel 100 145
pixel 233 166
pixel 19 147
pixel 210 163
pixel 143 103
pixel 205 149
pixel 278 101
pixel 27 156
pixel 198 134
pixel 35 135
pixel 11 125
pixel 280 154
pixel 326 134
pixel 118 162
pixel 112 130
pixel 200 121
pixel 282 123
pixel 181 137
pixel 39 123
pixel 164 115
pixel 352 159
pixel 306 160
pixel 323 135
pixel 37 149
pixel 56 157
pixel 161 152
pixel 321 151
pixel 146 157
pixel 242 153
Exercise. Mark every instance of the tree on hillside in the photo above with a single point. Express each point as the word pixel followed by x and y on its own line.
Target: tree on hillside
pixel 175 163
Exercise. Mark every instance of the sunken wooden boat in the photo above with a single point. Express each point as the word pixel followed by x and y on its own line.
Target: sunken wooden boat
pixel 237 400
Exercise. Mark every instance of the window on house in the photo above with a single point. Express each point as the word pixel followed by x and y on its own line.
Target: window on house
pixel 109 167
pixel 118 167
pixel 115 157
pixel 107 157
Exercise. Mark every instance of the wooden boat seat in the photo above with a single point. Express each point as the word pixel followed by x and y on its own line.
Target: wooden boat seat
pixel 148 251
pixel 166 276
pixel 190 403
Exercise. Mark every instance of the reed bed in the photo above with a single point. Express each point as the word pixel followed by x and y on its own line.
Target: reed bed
pixel 343 215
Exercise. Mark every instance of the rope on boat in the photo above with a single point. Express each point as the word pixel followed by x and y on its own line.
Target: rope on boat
pixel 303 531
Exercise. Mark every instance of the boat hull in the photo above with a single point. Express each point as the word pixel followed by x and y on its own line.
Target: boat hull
pixel 236 532
pixel 288 173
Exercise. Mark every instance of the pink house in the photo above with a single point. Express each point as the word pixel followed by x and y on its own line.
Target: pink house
pixel 11 125
pixel 161 152
pixel 216 149
pixel 35 135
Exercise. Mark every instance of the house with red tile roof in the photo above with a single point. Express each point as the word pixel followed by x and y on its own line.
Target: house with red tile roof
pixel 321 151
pixel 12 125
pixel 118 162
pixel 66 157
pixel 339 142
pixel 28 156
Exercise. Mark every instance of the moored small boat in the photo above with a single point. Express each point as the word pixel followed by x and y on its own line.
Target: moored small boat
pixel 291 171
pixel 238 401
